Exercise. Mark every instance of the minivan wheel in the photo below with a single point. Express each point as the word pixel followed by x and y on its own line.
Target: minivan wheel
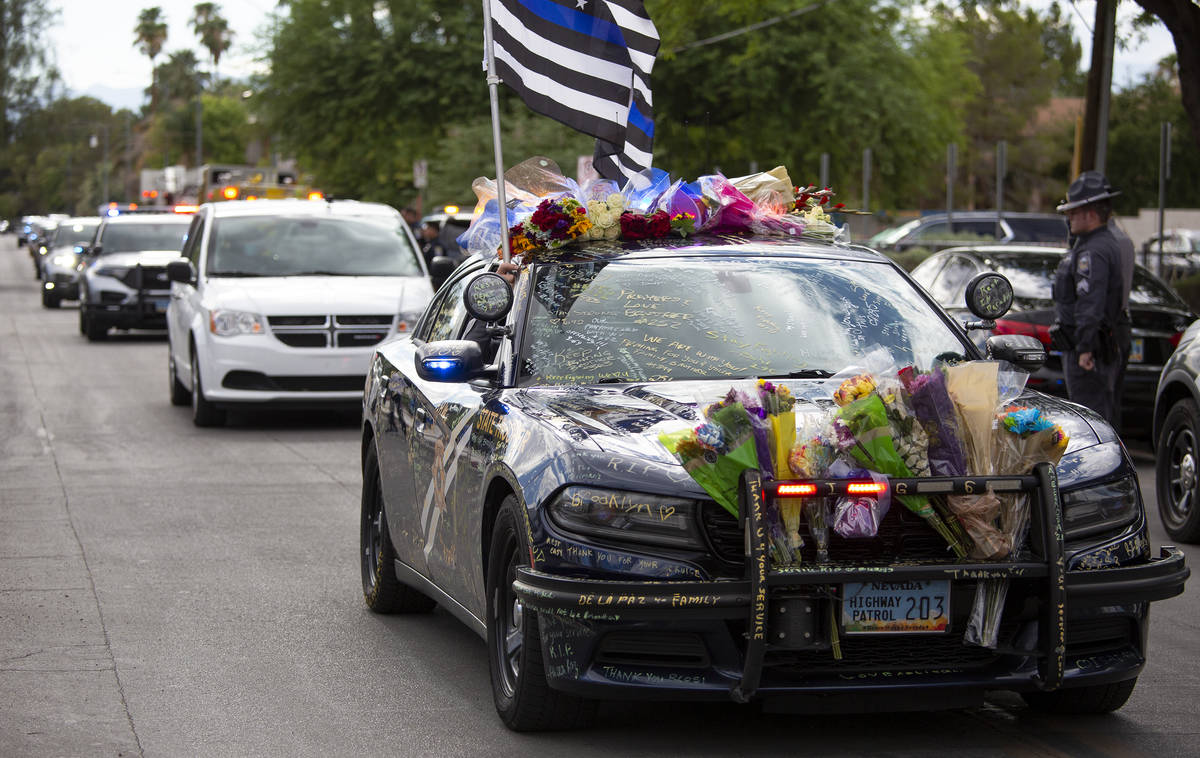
pixel 204 413
pixel 1176 469
pixel 179 394
pixel 523 699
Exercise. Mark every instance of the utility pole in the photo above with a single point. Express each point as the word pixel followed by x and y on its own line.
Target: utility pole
pixel 1094 148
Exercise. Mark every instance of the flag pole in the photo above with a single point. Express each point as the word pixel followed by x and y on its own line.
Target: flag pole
pixel 493 89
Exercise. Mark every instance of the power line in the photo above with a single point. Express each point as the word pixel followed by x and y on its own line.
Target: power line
pixel 751 28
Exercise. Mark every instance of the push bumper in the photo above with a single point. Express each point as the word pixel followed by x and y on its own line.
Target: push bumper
pixel 755 598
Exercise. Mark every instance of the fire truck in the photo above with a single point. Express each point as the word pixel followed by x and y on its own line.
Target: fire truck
pixel 215 182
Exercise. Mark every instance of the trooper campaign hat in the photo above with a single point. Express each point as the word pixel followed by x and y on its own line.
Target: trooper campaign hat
pixel 1088 187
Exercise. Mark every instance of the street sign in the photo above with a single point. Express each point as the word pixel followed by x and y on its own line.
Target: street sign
pixel 421 174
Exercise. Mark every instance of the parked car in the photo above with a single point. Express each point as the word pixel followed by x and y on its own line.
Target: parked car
pixel 936 231
pixel 1159 316
pixel 1177 439
pixel 41 231
pixel 60 267
pixel 514 476
pixel 123 283
pixel 1180 253
pixel 282 301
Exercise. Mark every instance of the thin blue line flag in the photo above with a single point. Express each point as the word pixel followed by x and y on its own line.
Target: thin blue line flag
pixel 587 64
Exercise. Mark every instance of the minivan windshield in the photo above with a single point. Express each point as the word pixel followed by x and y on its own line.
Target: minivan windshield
pixel 309 246
pixel 703 318
pixel 134 237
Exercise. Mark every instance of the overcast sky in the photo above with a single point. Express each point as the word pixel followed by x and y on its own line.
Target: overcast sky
pixel 98 56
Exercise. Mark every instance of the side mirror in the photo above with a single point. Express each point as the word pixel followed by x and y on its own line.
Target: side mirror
pixel 488 298
pixel 989 295
pixel 93 250
pixel 440 269
pixel 181 271
pixel 451 361
pixel 1025 352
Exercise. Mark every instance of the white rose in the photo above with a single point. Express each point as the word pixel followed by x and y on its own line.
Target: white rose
pixel 603 219
pixel 616 201
pixel 612 232
pixel 594 207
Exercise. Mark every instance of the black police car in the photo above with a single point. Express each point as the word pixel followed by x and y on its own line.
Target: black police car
pixel 1177 439
pixel 516 479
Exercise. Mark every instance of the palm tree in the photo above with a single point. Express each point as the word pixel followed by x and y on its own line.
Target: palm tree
pixel 151 33
pixel 213 30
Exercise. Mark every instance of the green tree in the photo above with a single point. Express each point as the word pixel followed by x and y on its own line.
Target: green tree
pixel 151 34
pixel 27 79
pixel 358 89
pixel 1182 19
pixel 1133 146
pixel 213 30
pixel 847 76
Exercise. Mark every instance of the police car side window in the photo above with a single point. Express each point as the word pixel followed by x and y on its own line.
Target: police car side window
pixel 448 317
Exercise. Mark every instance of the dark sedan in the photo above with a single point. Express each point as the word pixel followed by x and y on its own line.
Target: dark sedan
pixel 514 475
pixel 1177 439
pixel 1159 316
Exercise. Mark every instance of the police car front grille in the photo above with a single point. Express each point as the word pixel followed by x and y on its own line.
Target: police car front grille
pixel 903 536
pixel 330 331
pixel 879 653
pixel 147 277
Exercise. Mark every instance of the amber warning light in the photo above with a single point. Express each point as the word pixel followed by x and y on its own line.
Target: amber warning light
pixel 229 193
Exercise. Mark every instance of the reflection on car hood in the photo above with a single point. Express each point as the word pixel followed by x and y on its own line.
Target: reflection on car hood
pixel 626 420
pixel 301 295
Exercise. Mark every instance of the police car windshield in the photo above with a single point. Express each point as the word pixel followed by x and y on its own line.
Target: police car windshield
pixel 309 246
pixel 702 318
pixel 137 236
pixel 74 234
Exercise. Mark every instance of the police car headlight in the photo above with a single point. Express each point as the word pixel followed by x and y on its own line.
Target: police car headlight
pixel 628 517
pixel 226 323
pixel 116 272
pixel 64 260
pixel 1103 508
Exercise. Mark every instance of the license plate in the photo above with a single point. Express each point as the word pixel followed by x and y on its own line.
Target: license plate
pixel 912 606
pixel 1137 351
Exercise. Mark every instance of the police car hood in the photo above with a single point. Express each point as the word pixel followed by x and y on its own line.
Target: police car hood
pixel 625 422
pixel 142 257
pixel 320 295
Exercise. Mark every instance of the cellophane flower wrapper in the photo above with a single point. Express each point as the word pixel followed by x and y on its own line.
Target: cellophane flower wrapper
pixel 681 199
pixel 857 517
pixel 729 210
pixel 717 470
pixel 759 426
pixel 817 511
pixel 973 388
pixel 935 410
pixel 605 204
pixel 983 626
pixel 868 438
pixel 771 192
pixel 643 189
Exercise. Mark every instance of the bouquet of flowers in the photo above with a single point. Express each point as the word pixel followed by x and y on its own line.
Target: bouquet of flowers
pixel 717 452
pixel 811 205
pixel 554 223
pixel 863 431
pixel 640 226
pixel 858 517
pixel 809 460
pixel 605 215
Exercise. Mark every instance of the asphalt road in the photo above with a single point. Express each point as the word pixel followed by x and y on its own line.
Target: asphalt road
pixel 172 591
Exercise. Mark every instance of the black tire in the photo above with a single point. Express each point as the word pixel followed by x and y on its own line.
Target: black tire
pixel 204 413
pixel 49 299
pixel 382 591
pixel 92 329
pixel 82 318
pixel 1176 472
pixel 179 394
pixel 1100 698
pixel 524 701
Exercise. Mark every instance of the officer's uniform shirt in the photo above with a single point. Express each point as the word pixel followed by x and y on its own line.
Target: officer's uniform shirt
pixel 1090 289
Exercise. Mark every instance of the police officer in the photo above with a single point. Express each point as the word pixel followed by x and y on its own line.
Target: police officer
pixel 1091 294
pixel 431 245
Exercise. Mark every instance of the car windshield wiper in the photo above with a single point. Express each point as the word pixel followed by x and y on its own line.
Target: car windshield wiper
pixel 807 373
pixel 318 272
pixel 236 273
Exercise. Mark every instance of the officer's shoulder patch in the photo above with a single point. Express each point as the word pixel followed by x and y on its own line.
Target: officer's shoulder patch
pixel 1083 264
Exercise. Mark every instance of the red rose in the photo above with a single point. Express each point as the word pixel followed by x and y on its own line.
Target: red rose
pixel 659 224
pixel 633 226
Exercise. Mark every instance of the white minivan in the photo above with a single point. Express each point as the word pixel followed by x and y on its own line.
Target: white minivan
pixel 282 302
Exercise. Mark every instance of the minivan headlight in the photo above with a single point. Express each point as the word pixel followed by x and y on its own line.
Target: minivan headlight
pixel 628 516
pixel 1101 508
pixel 227 323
